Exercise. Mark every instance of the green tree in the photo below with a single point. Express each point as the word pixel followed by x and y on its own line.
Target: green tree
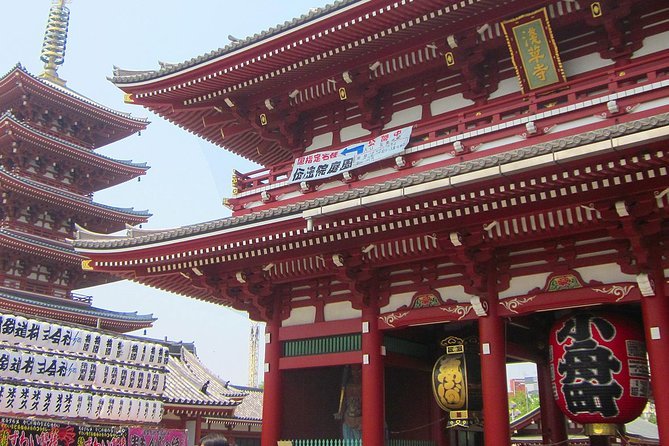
pixel 521 403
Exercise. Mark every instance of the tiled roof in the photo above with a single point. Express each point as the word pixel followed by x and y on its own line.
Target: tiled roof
pixel 71 196
pixel 189 382
pixel 251 407
pixel 127 76
pixel 77 148
pixel 64 90
pixel 62 305
pixel 44 242
pixel 494 160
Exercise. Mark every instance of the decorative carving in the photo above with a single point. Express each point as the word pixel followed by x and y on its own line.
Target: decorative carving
pixel 392 317
pixel 561 282
pixel 462 310
pixel 430 298
pixel 618 291
pixel 512 304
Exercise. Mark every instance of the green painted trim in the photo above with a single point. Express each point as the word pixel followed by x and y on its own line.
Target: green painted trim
pixel 323 345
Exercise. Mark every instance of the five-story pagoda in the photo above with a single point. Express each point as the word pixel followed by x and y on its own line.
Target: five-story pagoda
pixel 49 171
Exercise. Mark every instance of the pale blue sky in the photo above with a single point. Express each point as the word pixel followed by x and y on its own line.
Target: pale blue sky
pixel 188 177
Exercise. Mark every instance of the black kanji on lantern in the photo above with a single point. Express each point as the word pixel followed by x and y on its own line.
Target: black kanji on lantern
pixel 588 367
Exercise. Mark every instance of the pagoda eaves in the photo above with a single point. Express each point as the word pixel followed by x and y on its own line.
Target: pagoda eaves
pixel 97 171
pixel 97 124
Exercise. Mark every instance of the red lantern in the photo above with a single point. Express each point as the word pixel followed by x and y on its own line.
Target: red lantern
pixel 599 368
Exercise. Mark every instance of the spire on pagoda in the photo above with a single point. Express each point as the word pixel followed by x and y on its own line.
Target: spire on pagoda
pixel 55 40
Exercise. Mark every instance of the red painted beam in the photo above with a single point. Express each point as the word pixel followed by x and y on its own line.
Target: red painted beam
pixel 330 359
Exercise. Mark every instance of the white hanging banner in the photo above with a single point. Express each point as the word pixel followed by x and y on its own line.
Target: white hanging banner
pixel 327 164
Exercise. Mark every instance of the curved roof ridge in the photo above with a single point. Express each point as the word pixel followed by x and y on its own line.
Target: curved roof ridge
pixel 122 75
pixel 9 115
pixel 29 298
pixel 75 95
pixel 42 241
pixel 76 197
pixel 191 359
pixel 81 233
pixel 188 386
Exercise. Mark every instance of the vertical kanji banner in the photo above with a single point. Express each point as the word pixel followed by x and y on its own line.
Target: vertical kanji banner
pixel 534 52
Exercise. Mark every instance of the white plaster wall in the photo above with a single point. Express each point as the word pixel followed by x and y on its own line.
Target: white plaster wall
pixel 653 44
pixel 609 273
pixel 502 141
pixel 320 141
pixel 449 103
pixel 435 159
pixel 583 64
pixel 576 123
pixel 506 86
pixel 405 116
pixel 396 301
pixel 651 105
pixel 456 292
pixel 352 132
pixel 339 311
pixel 300 316
pixel 519 286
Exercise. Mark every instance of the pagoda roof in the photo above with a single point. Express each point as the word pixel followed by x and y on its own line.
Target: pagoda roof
pixel 60 146
pixel 124 123
pixel 42 246
pixel 71 200
pixel 192 387
pixel 39 305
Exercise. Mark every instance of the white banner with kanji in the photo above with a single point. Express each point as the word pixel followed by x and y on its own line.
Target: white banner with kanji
pixel 327 164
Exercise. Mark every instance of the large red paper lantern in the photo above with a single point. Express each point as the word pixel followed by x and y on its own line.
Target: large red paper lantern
pixel 599 368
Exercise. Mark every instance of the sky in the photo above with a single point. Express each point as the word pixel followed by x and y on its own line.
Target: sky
pixel 189 177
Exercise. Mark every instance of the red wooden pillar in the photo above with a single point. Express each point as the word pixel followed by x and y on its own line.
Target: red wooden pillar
pixel 272 399
pixel 496 431
pixel 553 422
pixel 373 415
pixel 655 310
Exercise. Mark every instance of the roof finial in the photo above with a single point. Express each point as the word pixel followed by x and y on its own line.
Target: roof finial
pixel 55 39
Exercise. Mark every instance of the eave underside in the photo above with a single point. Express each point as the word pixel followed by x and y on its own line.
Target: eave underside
pixel 561 216
pixel 19 85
